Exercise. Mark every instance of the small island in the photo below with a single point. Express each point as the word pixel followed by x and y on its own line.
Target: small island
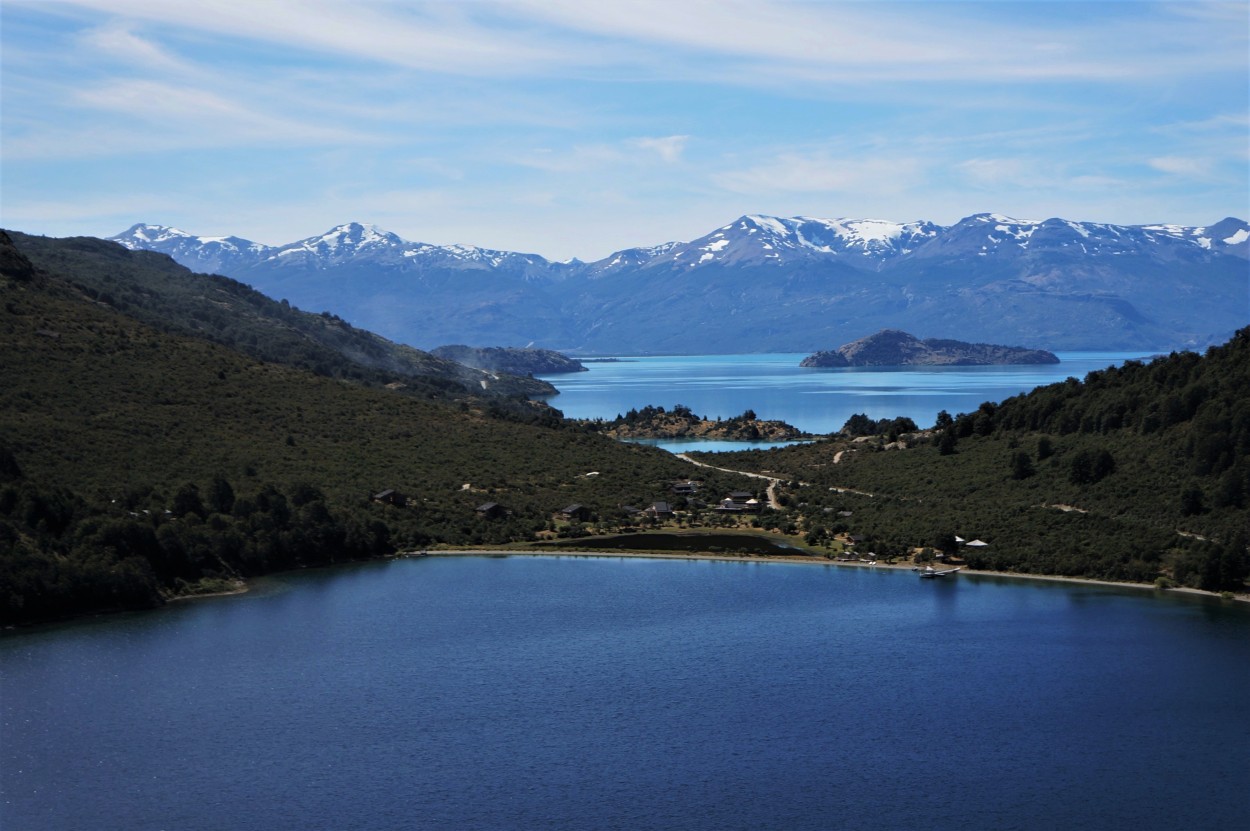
pixel 512 360
pixel 681 423
pixel 891 347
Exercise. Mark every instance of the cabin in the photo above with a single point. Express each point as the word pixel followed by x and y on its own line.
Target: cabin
pixel 687 488
pixel 660 510
pixel 740 502
pixel 575 513
pixel 491 510
pixel 390 497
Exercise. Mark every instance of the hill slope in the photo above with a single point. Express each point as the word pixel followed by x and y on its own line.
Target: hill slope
pixel 137 463
pixel 154 289
pixel 1136 473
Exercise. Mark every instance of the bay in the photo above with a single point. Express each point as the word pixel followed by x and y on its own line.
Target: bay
pixel 816 400
pixel 628 693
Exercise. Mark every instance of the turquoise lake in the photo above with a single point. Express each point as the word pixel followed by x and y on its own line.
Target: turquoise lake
pixel 618 693
pixel 815 400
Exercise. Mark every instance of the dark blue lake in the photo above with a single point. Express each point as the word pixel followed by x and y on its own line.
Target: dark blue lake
pixel 814 400
pixel 585 693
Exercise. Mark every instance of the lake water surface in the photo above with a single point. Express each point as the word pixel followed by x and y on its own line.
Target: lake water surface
pixel 620 693
pixel 815 400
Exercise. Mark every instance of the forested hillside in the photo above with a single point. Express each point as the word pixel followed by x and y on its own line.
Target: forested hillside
pixel 154 289
pixel 1139 473
pixel 138 464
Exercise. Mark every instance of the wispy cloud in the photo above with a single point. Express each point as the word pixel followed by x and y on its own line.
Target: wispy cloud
pixel 1181 166
pixel 668 148
pixel 569 127
pixel 824 173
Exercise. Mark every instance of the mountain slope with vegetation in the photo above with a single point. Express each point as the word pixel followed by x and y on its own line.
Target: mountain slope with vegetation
pixel 138 464
pixel 1139 473
pixel 156 290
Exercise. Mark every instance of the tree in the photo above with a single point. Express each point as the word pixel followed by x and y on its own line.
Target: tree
pixel 187 501
pixel 1090 466
pixel 1021 465
pixel 946 444
pixel 1192 501
pixel 220 496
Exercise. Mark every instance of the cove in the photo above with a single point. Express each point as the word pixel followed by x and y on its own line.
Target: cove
pixel 623 693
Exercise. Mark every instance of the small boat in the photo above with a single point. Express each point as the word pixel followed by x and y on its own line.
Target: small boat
pixel 930 571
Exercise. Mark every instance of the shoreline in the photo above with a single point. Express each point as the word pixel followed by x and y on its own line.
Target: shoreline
pixel 807 560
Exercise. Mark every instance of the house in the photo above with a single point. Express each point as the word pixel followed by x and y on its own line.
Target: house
pixel 575 513
pixel 660 510
pixel 740 501
pixel 390 497
pixel 491 510
pixel 687 488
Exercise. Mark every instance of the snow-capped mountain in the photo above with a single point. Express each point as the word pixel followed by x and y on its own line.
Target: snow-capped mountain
pixel 203 254
pixel 765 283
pixel 778 241
pixel 348 244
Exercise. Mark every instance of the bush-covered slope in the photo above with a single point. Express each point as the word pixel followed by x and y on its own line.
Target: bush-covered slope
pixel 137 463
pixel 1136 473
pixel 154 289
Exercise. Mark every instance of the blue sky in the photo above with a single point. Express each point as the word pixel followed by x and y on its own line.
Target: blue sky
pixel 568 128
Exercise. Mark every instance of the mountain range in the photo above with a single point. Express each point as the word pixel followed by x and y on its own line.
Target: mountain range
pixel 767 284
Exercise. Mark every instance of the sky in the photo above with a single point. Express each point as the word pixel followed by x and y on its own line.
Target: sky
pixel 574 129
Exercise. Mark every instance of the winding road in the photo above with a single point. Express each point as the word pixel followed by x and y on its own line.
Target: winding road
pixel 773 481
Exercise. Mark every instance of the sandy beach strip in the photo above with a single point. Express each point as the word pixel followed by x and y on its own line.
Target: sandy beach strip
pixel 803 560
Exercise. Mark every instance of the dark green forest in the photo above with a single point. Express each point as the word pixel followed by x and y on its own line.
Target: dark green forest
pixel 1139 473
pixel 139 463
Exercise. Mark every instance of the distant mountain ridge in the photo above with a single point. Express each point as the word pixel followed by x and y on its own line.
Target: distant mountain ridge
pixel 891 347
pixel 762 284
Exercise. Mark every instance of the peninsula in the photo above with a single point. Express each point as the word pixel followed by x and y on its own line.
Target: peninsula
pixel 680 423
pixel 892 347
pixel 512 360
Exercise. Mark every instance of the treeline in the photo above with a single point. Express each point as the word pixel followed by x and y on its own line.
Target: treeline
pixel 62 555
pixel 861 425
pixel 1138 473
pixel 1198 406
